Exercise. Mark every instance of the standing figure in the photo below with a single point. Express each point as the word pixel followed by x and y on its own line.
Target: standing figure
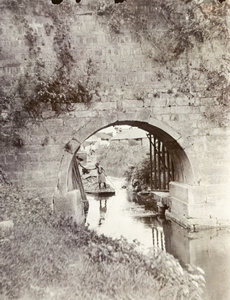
pixel 101 175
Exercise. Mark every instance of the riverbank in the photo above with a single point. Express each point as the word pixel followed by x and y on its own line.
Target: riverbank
pixel 49 257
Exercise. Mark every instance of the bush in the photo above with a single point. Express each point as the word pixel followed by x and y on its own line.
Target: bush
pixel 141 171
pixel 50 257
pixel 117 157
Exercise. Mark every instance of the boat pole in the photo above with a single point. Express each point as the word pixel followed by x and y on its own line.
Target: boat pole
pixel 110 181
pixel 77 174
pixel 79 180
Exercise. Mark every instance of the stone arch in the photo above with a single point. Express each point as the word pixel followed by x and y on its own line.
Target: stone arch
pixel 181 190
pixel 172 140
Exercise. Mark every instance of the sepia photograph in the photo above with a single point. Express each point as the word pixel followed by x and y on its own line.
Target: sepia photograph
pixel 115 150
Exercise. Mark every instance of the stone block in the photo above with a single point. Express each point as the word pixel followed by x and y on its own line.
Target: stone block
pixel 215 179
pixel 132 103
pixel 161 110
pixel 190 201
pixel 197 223
pixel 80 107
pixel 179 191
pixel 222 208
pixel 197 194
pixel 160 102
pixel 103 105
pixel 70 205
pixel 196 117
pixel 124 116
pixel 179 207
pixel 85 113
pixel 143 115
pixel 192 224
pixel 176 217
pixel 185 109
pixel 72 146
pixel 201 210
pixel 147 102
pixel 181 101
pixel 165 118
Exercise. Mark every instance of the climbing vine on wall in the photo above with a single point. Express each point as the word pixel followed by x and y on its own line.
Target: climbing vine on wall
pixel 44 87
pixel 58 93
pixel 165 28
pixel 167 31
pixel 59 90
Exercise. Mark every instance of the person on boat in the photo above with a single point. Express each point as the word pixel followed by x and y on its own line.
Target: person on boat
pixel 101 176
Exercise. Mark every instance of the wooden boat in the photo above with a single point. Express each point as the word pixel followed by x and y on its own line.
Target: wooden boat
pixel 91 187
pixel 105 192
pixel 102 193
pixel 144 193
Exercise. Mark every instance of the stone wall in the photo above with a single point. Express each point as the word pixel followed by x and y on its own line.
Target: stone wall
pixel 176 91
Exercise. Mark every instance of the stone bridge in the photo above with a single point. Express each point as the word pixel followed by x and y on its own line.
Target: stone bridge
pixel 180 97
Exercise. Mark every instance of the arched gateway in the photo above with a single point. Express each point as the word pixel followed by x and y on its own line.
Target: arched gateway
pixel 188 196
pixel 198 195
pixel 95 66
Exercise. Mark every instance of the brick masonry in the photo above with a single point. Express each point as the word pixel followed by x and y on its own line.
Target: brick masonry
pixel 136 90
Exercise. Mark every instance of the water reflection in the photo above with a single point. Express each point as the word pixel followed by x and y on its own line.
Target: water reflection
pixel 143 199
pixel 136 219
pixel 209 250
pixel 103 209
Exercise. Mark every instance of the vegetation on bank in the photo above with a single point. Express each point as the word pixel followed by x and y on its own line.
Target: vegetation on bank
pixel 135 156
pixel 112 157
pixel 50 257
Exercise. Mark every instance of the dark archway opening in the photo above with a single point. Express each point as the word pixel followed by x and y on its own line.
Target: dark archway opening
pixel 169 160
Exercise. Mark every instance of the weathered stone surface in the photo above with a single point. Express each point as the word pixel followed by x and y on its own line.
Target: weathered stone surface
pixel 69 204
pixel 179 92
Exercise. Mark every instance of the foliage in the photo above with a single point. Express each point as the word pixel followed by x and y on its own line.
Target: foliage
pixel 59 93
pixel 170 30
pixel 140 171
pixel 48 257
pixel 117 157
pixel 185 23
pixel 22 208
pixel 128 159
pixel 41 88
pixel 11 119
pixel 165 31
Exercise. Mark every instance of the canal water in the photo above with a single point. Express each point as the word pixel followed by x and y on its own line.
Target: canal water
pixel 126 215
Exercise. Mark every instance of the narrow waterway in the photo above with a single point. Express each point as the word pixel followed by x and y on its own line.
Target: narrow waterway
pixel 125 215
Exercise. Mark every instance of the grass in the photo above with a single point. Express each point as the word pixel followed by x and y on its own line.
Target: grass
pixel 49 257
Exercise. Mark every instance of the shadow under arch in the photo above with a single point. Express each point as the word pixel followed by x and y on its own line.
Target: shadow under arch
pixel 182 168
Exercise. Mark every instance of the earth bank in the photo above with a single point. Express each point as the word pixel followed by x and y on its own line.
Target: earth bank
pixel 45 256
